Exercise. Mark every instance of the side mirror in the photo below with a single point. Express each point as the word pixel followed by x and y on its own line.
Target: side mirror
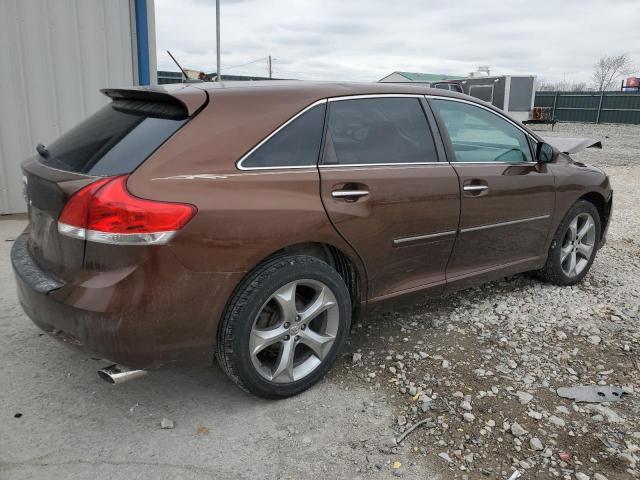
pixel 544 153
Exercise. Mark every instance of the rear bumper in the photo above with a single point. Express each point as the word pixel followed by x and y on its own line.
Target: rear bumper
pixel 145 316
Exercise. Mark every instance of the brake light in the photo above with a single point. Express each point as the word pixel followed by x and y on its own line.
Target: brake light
pixel 106 212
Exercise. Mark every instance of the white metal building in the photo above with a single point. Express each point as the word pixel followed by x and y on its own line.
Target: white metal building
pixel 55 58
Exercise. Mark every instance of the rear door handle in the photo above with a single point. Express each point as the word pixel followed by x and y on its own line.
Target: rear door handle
pixel 349 194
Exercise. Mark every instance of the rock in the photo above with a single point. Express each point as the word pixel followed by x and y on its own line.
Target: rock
pixel 517 430
pixel 512 364
pixel 446 364
pixel 469 417
pixel 557 421
pixel 445 456
pixel 402 420
pixel 491 423
pixel 609 414
pixel 372 375
pixel 306 440
pixel 536 415
pixel 594 339
pixel 599 476
pixel 524 397
pixel 582 476
pixel 536 444
pixel 166 424
pixel 357 357
pixel 466 406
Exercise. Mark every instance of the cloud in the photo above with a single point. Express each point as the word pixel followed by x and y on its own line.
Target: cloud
pixel 364 40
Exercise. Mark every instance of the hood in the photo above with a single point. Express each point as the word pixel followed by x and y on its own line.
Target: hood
pixel 572 145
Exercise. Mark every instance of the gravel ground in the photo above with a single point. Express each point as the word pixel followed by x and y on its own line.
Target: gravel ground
pixel 480 369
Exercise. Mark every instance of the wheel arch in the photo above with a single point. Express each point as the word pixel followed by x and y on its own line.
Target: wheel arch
pixel 602 205
pixel 349 268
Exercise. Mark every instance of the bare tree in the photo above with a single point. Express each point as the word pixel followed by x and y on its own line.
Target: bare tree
pixel 543 85
pixel 610 68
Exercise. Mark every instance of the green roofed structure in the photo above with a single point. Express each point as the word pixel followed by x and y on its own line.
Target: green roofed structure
pixel 410 77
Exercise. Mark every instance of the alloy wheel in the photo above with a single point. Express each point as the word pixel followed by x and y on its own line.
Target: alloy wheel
pixel 294 331
pixel 578 245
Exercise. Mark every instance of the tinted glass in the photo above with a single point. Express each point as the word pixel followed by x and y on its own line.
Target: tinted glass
pixel 378 130
pixel 297 144
pixel 116 139
pixel 478 135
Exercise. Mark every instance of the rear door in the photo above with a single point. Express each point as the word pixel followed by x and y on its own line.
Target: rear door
pixel 113 141
pixel 507 197
pixel 386 191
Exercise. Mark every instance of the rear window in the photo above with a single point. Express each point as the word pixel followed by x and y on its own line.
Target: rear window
pixel 297 144
pixel 116 139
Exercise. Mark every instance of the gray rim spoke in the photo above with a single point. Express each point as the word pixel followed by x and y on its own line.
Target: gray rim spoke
pixel 565 252
pixel 322 302
pixel 572 263
pixel 286 298
pixel 588 225
pixel 284 364
pixel 320 344
pixel 261 339
pixel 584 250
pixel 573 229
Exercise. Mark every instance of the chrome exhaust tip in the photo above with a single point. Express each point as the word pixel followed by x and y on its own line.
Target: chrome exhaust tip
pixel 116 374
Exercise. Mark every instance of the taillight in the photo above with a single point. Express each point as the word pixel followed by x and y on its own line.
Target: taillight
pixel 106 212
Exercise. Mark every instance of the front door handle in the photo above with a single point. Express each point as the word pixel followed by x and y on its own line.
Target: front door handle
pixel 349 194
pixel 475 188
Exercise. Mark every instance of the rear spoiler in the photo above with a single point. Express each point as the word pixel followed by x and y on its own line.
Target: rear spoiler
pixel 187 98
pixel 573 145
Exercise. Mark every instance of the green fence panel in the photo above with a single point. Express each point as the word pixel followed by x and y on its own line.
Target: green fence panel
pixel 592 107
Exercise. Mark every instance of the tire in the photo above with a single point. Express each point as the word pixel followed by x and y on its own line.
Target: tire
pixel 262 328
pixel 557 269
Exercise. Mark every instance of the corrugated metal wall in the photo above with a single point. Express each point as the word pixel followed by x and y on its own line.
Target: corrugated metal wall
pixel 592 107
pixel 55 56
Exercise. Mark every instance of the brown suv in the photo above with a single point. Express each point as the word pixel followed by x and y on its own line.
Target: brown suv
pixel 253 221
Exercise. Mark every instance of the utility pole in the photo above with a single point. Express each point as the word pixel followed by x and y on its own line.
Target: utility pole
pixel 269 67
pixel 218 74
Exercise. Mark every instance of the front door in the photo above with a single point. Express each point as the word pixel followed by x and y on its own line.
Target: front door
pixel 386 192
pixel 507 198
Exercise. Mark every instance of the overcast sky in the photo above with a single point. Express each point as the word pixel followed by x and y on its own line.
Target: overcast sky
pixel 364 40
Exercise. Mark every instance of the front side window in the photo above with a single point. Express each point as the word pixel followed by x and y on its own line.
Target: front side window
pixel 378 130
pixel 297 144
pixel 478 135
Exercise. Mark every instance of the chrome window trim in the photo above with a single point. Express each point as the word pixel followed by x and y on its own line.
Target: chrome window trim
pixel 503 224
pixel 497 114
pixel 376 95
pixel 398 242
pixel 384 164
pixel 239 165
pixel 400 164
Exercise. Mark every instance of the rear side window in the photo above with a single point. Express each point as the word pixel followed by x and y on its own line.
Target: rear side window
pixel 297 144
pixel 378 130
pixel 116 139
